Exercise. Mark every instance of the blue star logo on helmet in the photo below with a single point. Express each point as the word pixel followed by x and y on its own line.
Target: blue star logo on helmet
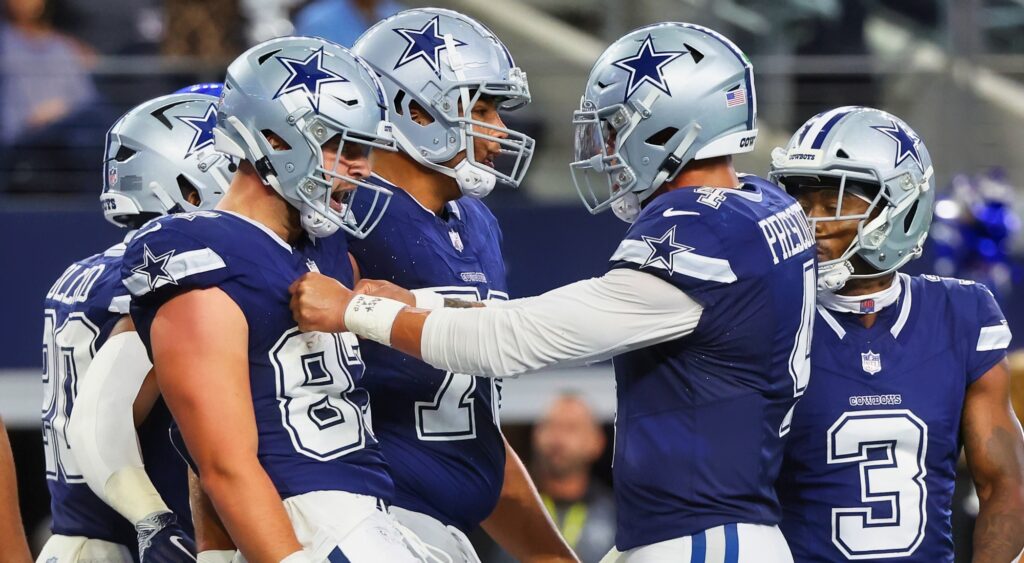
pixel 906 142
pixel 307 76
pixel 203 126
pixel 646 67
pixel 424 44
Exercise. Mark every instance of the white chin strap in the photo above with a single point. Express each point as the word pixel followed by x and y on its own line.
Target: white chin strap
pixel 315 223
pixel 832 277
pixel 627 207
pixel 473 182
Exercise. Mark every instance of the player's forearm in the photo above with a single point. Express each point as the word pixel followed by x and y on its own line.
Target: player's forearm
pixel 250 508
pixel 12 534
pixel 519 523
pixel 210 532
pixel 999 529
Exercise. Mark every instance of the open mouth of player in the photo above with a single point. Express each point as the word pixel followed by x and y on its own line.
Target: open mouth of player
pixel 338 199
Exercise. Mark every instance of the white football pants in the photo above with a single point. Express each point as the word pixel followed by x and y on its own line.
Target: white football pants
pixel 71 549
pixel 337 526
pixel 447 543
pixel 730 543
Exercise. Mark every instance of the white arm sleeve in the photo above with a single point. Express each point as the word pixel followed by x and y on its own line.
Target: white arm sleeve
pixel 584 322
pixel 102 428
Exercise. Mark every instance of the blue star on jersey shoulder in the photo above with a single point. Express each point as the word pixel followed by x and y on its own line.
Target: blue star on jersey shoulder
pixel 155 267
pixel 307 76
pixel 906 142
pixel 647 66
pixel 663 249
pixel 424 44
pixel 203 126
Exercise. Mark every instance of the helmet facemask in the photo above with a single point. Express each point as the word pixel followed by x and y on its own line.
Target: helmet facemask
pixel 873 225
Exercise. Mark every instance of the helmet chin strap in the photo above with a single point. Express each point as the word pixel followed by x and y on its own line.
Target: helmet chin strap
pixel 832 277
pixel 472 181
pixel 313 222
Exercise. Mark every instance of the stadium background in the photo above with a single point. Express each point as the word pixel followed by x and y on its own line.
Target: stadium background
pixel 953 69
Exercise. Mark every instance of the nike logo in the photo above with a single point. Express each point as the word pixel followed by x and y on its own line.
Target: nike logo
pixel 179 543
pixel 670 212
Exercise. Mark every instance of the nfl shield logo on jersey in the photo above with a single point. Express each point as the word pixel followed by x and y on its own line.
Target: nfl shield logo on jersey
pixel 871 362
pixel 456 240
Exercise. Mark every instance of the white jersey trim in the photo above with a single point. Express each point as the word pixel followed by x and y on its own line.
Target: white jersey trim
pixel 831 322
pixel 994 338
pixel 901 321
pixel 687 263
pixel 179 266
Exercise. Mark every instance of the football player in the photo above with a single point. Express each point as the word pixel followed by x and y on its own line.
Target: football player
pixel 158 153
pixel 159 160
pixel 706 307
pixel 274 418
pixel 906 369
pixel 12 534
pixel 439 430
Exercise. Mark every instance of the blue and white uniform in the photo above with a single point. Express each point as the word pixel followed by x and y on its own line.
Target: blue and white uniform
pixel 314 442
pixel 701 420
pixel 81 309
pixel 708 310
pixel 870 466
pixel 438 429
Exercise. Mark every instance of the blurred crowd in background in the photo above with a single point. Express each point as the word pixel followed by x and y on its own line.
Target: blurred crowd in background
pixel 953 69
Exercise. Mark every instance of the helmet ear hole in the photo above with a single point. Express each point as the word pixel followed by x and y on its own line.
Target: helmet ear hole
pixel 124 153
pixel 188 191
pixel 842 154
pixel 397 107
pixel 276 141
pixel 908 221
pixel 662 137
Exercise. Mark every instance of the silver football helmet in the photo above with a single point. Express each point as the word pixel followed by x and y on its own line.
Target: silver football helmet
pixel 659 97
pixel 157 154
pixel 445 62
pixel 856 146
pixel 306 92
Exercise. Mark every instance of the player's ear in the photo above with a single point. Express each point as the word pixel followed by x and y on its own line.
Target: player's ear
pixel 275 140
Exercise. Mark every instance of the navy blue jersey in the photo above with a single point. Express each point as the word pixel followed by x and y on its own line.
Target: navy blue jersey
pixel 81 309
pixel 309 408
pixel 438 430
pixel 871 459
pixel 701 419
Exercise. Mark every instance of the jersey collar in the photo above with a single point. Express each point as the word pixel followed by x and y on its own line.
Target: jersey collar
pixel 261 227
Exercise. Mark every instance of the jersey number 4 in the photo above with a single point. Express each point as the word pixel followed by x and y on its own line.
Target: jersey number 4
pixel 889 447
pixel 800 355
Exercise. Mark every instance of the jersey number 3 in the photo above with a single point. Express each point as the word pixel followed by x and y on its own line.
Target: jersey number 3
pixel 889 447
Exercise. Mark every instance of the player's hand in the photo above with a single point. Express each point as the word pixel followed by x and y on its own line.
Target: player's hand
pixel 319 302
pixel 381 288
pixel 161 540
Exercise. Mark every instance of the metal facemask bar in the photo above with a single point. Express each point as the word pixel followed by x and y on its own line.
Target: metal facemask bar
pixel 869 234
pixel 601 177
pixel 363 204
pixel 513 93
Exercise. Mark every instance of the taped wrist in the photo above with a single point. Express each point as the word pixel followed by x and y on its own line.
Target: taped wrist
pixel 372 317
pixel 216 556
pixel 427 299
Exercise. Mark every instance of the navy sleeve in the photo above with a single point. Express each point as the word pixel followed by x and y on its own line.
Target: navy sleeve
pixel 988 335
pixel 163 261
pixel 687 245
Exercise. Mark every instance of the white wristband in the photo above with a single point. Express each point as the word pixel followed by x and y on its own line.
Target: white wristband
pixel 371 317
pixel 298 557
pixel 427 299
pixel 216 556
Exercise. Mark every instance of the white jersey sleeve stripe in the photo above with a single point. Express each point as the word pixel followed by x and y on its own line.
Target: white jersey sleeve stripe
pixel 686 263
pixel 994 338
pixel 179 267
